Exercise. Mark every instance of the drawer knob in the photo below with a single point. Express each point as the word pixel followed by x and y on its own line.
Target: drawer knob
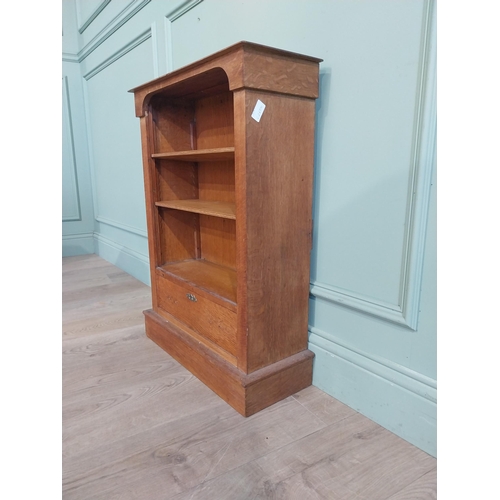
pixel 191 297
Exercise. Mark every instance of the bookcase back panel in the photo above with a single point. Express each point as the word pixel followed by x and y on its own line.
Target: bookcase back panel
pixel 183 124
pixel 218 240
pixel 215 121
pixel 216 181
pixel 178 180
pixel 185 235
pixel 179 235
pixel 173 120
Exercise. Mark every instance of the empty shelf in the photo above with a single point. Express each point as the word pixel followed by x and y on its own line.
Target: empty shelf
pixel 216 154
pixel 223 209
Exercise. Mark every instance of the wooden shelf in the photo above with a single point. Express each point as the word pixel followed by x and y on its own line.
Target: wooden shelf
pixel 200 273
pixel 215 154
pixel 223 209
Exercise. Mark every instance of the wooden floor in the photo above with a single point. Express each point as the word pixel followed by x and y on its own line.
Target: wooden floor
pixel 137 425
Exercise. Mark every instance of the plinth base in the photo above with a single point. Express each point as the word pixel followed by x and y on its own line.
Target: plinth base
pixel 246 393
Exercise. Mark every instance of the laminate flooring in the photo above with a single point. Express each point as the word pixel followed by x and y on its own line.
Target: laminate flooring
pixel 137 425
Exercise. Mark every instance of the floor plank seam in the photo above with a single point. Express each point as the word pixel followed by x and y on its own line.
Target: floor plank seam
pixel 412 482
pixel 319 418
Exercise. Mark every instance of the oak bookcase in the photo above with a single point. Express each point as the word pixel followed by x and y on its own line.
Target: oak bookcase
pixel 228 203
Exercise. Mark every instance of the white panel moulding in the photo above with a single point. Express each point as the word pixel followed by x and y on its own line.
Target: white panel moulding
pixel 168 20
pixel 78 236
pixel 134 263
pixel 83 24
pixel 120 225
pixel 423 155
pixel 132 44
pixel 129 11
pixel 354 301
pixel 70 157
pixel 156 62
pixel 69 57
pixel 394 373
pixel 94 71
pixel 120 249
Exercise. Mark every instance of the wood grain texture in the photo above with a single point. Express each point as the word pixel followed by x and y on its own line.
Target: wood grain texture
pixel 241 232
pixel 178 236
pixel 172 120
pixel 280 73
pixel 177 233
pixel 216 181
pixel 177 180
pixel 197 337
pixel 321 465
pixel 151 193
pixel 218 240
pixel 231 60
pixel 206 276
pixel 138 425
pixel 278 180
pixel 247 394
pixel 215 121
pixel 199 155
pixel 286 377
pixel 423 488
pixel 223 209
pixel 209 319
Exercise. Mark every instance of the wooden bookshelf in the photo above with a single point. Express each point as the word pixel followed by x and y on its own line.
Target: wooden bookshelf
pixel 229 207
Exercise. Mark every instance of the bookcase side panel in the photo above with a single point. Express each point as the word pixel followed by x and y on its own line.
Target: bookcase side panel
pixel 279 180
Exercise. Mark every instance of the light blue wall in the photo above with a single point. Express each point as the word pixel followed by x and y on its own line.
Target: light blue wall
pixel 77 208
pixel 373 277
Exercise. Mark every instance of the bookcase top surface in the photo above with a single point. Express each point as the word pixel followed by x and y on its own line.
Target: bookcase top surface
pixel 263 49
pixel 243 65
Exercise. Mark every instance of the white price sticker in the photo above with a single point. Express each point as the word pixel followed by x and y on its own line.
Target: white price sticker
pixel 258 110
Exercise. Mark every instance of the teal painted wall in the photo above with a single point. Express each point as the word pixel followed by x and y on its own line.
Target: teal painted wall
pixel 373 265
pixel 77 206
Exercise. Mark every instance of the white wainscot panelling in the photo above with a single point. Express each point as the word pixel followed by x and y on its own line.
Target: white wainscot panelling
pixel 174 14
pixel 71 210
pixel 398 399
pixel 371 207
pixel 115 136
pixel 111 16
pixel 373 193
pixel 87 11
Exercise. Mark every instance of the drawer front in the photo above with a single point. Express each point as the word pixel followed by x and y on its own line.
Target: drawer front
pixel 210 320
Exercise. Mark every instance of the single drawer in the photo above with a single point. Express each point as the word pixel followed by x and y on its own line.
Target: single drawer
pixel 211 320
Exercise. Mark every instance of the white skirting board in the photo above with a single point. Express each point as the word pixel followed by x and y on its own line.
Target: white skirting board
pixel 130 261
pixel 402 401
pixel 77 244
